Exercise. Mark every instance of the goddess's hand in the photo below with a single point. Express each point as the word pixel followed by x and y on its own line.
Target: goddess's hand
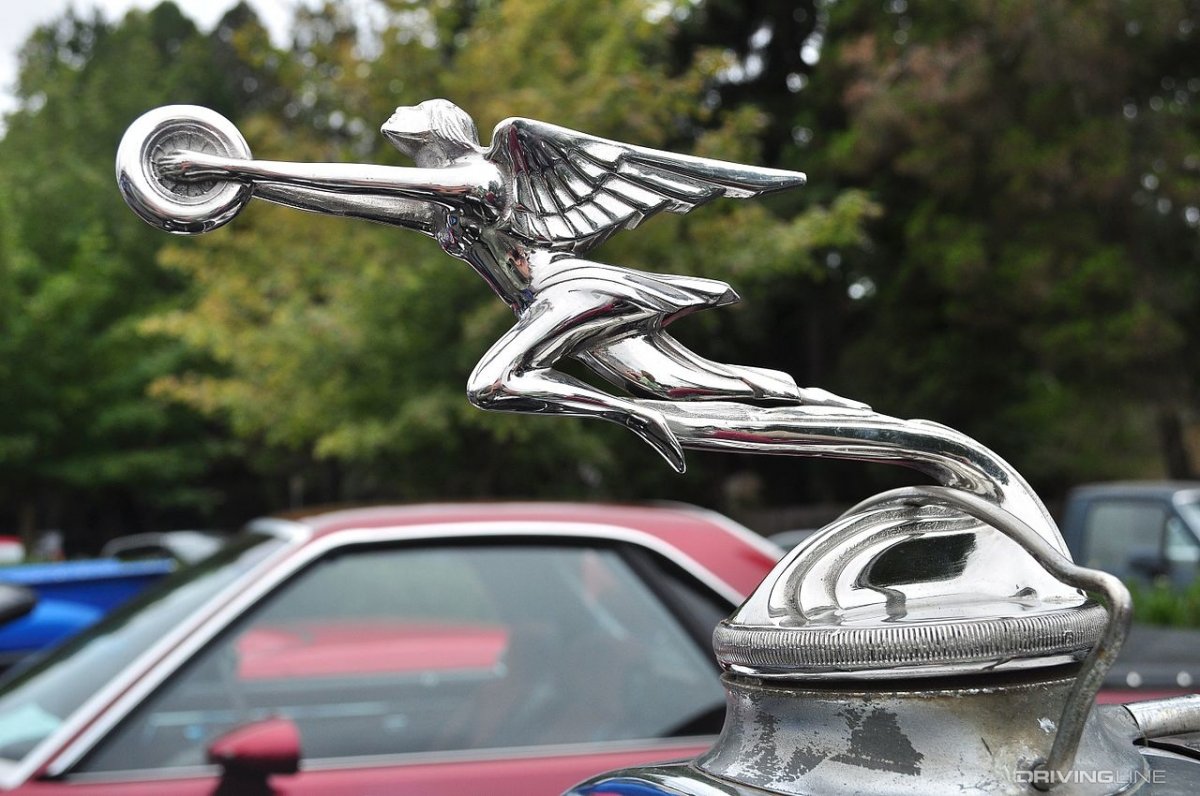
pixel 184 165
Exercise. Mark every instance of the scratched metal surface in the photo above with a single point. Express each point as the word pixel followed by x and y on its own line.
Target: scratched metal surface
pixel 906 740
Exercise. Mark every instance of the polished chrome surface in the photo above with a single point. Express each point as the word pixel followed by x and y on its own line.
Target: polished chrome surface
pixel 520 213
pixel 994 568
pixel 953 459
pixel 178 205
pixel 907 649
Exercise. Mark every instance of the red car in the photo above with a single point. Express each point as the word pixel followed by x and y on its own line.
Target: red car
pixel 435 650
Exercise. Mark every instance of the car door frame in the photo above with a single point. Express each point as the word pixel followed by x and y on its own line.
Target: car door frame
pixel 59 764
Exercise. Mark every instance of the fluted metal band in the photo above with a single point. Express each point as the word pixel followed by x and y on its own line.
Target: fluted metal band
pixel 984 642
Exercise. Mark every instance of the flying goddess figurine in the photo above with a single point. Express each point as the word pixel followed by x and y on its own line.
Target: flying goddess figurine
pixel 521 213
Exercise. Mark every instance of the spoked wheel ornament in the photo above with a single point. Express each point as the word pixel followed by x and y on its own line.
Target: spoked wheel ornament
pixel 178 205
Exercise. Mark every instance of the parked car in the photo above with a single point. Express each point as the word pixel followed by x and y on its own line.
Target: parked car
pixel 500 649
pixel 1141 530
pixel 69 597
pixel 12 550
pixel 186 547
pixel 15 601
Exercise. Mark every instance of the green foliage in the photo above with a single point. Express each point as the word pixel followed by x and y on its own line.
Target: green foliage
pixel 1164 604
pixel 1036 267
pixel 1001 232
pixel 347 342
pixel 77 272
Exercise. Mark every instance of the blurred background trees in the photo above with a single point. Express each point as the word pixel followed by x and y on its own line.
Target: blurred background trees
pixel 1001 232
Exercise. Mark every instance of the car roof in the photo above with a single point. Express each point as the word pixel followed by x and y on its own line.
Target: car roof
pixel 736 554
pixel 643 517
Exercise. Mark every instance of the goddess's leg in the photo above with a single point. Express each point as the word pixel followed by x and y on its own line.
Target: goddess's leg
pixel 516 373
pixel 658 365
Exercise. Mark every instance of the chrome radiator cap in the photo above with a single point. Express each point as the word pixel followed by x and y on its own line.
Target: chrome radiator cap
pixel 900 588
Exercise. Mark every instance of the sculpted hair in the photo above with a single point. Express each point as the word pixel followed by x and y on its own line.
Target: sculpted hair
pixel 451 122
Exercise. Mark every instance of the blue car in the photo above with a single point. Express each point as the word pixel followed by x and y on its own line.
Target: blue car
pixel 70 596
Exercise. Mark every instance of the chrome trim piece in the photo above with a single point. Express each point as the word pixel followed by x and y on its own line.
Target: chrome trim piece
pixel 950 457
pixel 264 582
pixel 549 529
pixel 146 775
pixel 517 752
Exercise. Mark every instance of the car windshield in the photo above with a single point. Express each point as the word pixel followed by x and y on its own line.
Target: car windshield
pixel 1190 509
pixel 36 700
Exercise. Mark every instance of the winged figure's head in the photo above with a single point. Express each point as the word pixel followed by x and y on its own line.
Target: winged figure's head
pixel 433 133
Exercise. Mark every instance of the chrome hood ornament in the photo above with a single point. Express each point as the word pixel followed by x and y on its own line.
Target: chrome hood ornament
pixel 934 639
pixel 521 213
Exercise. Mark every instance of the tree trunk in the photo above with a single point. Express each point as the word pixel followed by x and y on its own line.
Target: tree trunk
pixel 1174 447
pixel 27 524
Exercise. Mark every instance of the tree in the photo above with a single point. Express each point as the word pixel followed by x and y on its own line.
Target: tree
pixel 81 440
pixel 349 343
pixel 1035 272
pixel 1000 232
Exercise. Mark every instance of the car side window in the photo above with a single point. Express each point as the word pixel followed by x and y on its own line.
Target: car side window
pixel 1181 547
pixel 1118 531
pixel 435 649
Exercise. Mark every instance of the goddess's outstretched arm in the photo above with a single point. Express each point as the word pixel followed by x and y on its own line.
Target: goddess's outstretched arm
pixel 479 182
pixel 394 210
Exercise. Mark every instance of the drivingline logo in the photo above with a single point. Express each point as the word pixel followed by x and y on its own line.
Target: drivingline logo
pixel 1078 776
